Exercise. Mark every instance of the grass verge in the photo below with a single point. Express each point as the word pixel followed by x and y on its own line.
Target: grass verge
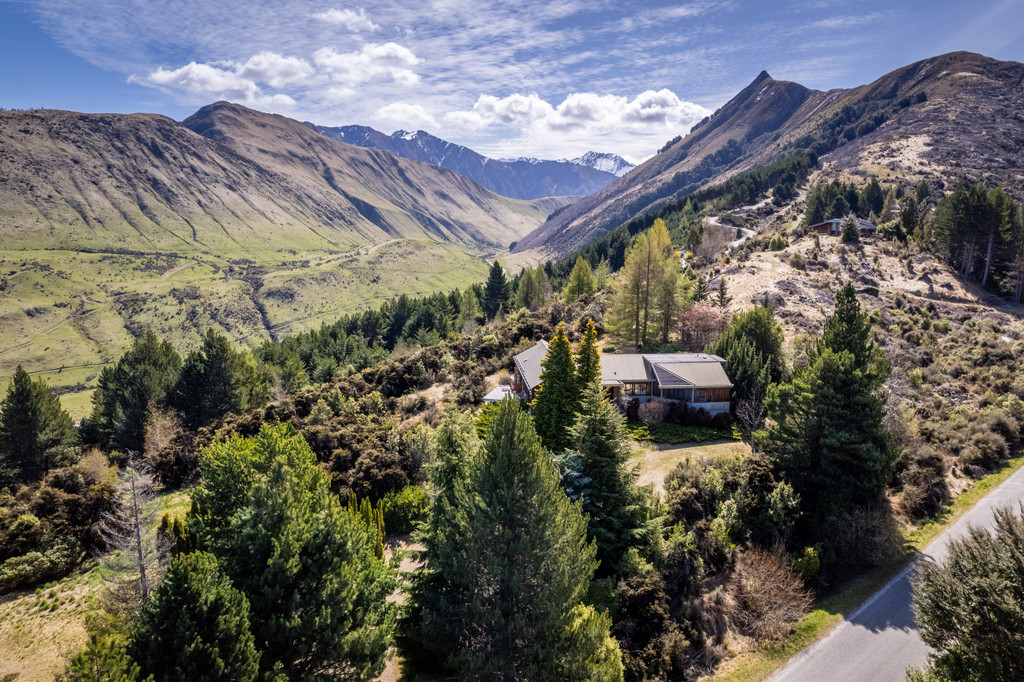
pixel 830 609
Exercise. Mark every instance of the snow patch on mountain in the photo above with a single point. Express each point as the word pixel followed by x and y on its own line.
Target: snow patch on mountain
pixel 609 163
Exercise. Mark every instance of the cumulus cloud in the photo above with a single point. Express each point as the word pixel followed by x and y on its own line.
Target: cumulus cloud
pixel 275 70
pixel 374 61
pixel 212 82
pixel 406 115
pixel 352 20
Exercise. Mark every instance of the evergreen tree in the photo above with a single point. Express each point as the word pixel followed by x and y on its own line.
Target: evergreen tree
pixel 747 368
pixel 496 291
pixel 36 433
pixel 849 232
pixel 581 281
pixel 969 607
pixel 616 507
pixel 827 435
pixel 557 399
pixel 317 591
pixel 701 292
pixel 144 376
pixel 506 569
pixel 763 331
pixel 872 199
pixel 104 659
pixel 838 208
pixel 217 379
pixel 588 358
pixel 196 627
pixel 722 299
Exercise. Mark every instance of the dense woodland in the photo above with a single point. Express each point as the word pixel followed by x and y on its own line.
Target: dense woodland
pixel 301 454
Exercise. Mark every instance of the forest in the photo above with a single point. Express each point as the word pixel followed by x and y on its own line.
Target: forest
pixel 301 456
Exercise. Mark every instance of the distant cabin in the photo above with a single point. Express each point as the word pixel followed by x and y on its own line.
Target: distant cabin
pixel 697 379
pixel 833 227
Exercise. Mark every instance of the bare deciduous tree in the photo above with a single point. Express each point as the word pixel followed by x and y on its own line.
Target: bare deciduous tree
pixel 769 595
pixel 133 558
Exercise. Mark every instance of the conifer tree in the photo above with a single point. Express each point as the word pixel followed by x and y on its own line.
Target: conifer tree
pixel 701 292
pixel 104 659
pixel 646 299
pixel 316 590
pixel 506 570
pixel 722 299
pixel 36 433
pixel 588 358
pixel 196 627
pixel 496 291
pixel 581 281
pixel 144 376
pixel 217 379
pixel 849 233
pixel 557 398
pixel 616 509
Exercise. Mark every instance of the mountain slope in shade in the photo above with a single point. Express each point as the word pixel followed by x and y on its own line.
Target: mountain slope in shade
pixel 609 163
pixel 949 118
pixel 228 180
pixel 519 178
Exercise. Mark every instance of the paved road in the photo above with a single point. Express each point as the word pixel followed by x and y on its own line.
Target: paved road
pixel 878 641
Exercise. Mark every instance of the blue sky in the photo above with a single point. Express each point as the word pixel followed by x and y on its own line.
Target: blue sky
pixel 548 79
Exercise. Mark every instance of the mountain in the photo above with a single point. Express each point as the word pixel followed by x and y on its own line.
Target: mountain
pixel 228 179
pixel 609 163
pixel 519 178
pixel 946 119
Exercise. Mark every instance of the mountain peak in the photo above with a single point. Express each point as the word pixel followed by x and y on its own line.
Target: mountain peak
pixel 764 75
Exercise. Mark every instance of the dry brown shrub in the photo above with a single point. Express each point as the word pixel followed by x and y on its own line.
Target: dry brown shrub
pixel 653 411
pixel 770 597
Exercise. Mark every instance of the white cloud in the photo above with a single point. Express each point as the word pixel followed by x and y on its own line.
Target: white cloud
pixel 374 61
pixel 407 115
pixel 212 82
pixel 512 109
pixel 275 70
pixel 353 21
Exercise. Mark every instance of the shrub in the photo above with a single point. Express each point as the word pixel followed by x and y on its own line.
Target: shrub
pixel 797 260
pixel 778 243
pixel 807 564
pixel 37 567
pixel 653 411
pixel 770 595
pixel 404 509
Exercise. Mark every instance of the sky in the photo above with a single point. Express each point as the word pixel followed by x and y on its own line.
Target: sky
pixel 544 79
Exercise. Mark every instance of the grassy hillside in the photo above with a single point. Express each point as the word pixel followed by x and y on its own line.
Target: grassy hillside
pixel 66 314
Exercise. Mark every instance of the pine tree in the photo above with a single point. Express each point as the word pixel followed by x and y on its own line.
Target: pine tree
pixel 588 358
pixel 143 377
pixel 496 291
pixel 506 569
pixel 316 590
pixel 581 281
pixel 557 398
pixel 827 435
pixel 616 507
pixel 104 659
pixel 849 233
pixel 196 627
pixel 36 433
pixel 700 292
pixel 217 379
pixel 722 299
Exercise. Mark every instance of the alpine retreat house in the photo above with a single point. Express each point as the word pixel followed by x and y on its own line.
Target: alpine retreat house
pixel 697 379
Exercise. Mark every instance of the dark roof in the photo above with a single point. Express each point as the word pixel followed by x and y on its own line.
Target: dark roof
pixel 528 363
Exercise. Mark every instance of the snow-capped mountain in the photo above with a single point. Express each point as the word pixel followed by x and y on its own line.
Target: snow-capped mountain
pixel 609 163
pixel 518 179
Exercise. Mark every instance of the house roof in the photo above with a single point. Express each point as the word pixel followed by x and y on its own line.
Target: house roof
pixel 528 363
pixel 498 394
pixel 623 368
pixel 861 224
pixel 668 370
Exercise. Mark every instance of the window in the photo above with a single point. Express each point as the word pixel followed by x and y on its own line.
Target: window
pixel 700 395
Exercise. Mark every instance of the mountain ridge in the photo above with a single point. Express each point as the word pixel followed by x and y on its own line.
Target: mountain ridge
pixel 919 121
pixel 526 179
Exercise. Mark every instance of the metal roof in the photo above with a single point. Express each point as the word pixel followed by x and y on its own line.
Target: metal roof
pixel 528 363
pixel 708 374
pixel 622 368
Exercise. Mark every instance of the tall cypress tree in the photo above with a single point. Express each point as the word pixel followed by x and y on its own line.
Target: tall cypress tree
pixel 196 626
pixel 557 398
pixel 509 564
pixel 36 433
pixel 496 291
pixel 616 507
pixel 588 358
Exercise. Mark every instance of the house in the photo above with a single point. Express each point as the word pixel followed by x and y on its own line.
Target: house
pixel 834 227
pixel 698 379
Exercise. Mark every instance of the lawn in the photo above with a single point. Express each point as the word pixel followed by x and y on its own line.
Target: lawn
pixel 656 460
